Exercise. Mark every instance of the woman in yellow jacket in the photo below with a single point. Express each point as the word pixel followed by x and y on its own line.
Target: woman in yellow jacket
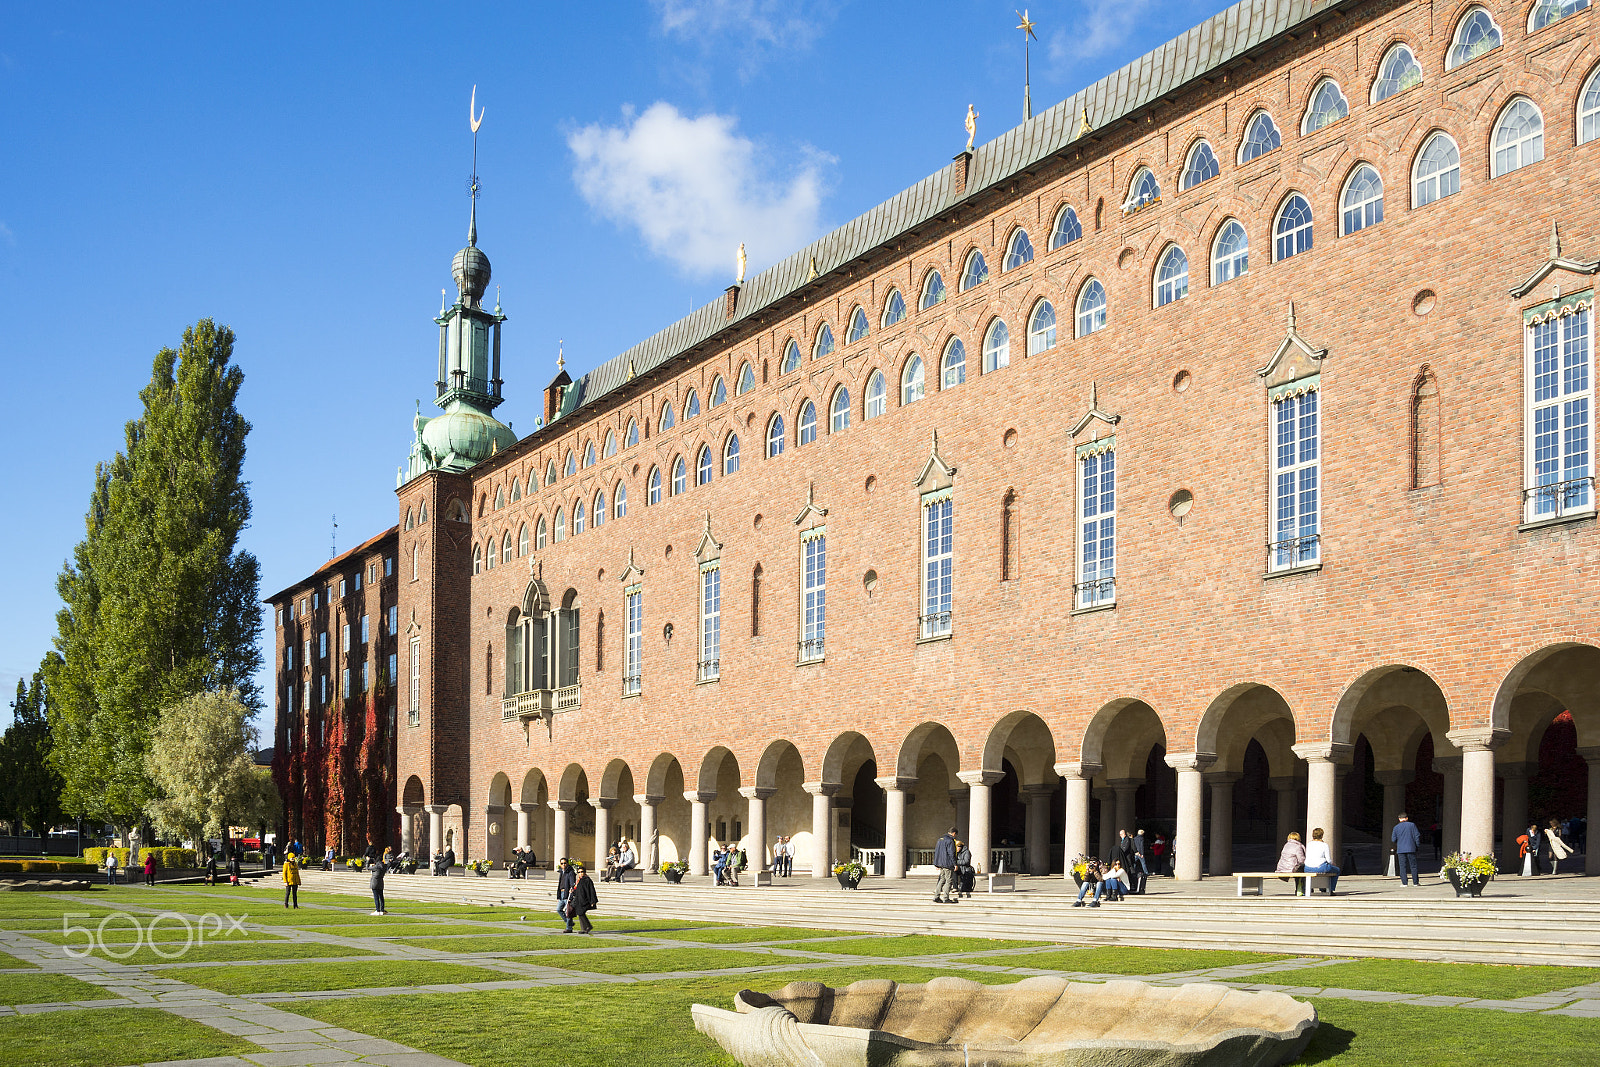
pixel 291 881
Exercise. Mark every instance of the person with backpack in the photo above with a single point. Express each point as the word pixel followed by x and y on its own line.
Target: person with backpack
pixel 291 882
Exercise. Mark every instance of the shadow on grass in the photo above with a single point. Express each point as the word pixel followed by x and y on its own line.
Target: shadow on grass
pixel 1329 1042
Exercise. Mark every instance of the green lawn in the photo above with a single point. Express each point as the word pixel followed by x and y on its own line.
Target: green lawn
pixel 144 1034
pixel 507 942
pixel 120 932
pixel 39 988
pixel 10 962
pixel 1355 1034
pixel 224 953
pixel 656 960
pixel 368 974
pixel 401 929
pixel 1484 980
pixel 1140 961
pixel 916 945
pixel 730 935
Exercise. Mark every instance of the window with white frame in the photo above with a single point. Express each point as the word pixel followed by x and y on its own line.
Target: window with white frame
pixel 344 638
pixel 597 513
pixel 913 384
pixel 1097 524
pixel 522 540
pixel 955 363
pixel 1589 110
pixel 344 684
pixel 1560 408
pixel 746 380
pixel 938 562
pixel 364 686
pixel 608 451
pixel 791 358
pixel 719 392
pixel 730 455
pixel 365 633
pixel 680 476
pixel 1398 72
pixel 996 346
pixel 390 677
pixel 1019 250
pixel 775 436
pixel 1438 170
pixel 933 291
pixel 702 466
pixel 975 272
pixel 807 429
pixel 1547 11
pixel 322 645
pixel 1518 137
pixel 1327 106
pixel 559 526
pixel 668 421
pixel 813 593
pixel 652 488
pixel 414 714
pixel 1172 276
pixel 876 396
pixel 1362 203
pixel 632 639
pixel 394 619
pixel 1066 229
pixel 894 308
pixel 1293 229
pixel 1296 506
pixel 579 518
pixel 1042 328
pixel 619 502
pixel 541 534
pixel 1091 308
pixel 710 665
pixel 858 326
pixel 632 437
pixel 1201 166
pixel 824 345
pixel 1260 137
pixel 1142 191
pixel 1475 34
pixel 571 466
pixel 839 411
pixel 1230 255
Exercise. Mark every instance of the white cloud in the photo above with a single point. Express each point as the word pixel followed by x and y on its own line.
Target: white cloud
pixel 694 188
pixel 766 24
pixel 1102 27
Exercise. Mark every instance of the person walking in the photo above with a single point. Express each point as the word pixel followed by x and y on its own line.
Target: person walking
pixel 965 873
pixel 375 882
pixel 1407 839
pixel 1559 849
pixel 1141 863
pixel 1320 861
pixel 1292 860
pixel 565 877
pixel 291 882
pixel 944 858
pixel 581 902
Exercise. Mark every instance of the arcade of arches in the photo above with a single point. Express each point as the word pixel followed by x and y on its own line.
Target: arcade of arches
pixel 1026 799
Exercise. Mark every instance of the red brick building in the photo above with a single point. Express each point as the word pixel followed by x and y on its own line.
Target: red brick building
pixel 1219 440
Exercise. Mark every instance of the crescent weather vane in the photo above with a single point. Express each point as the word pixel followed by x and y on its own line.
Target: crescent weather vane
pixel 472 105
pixel 474 120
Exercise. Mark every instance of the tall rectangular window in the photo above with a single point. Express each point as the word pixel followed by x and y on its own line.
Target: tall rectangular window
pixel 1560 389
pixel 390 675
pixel 341 587
pixel 938 562
pixel 633 640
pixel 322 690
pixel 356 578
pixel 305 698
pixel 363 676
pixel 344 639
pixel 415 714
pixel 307 657
pixel 388 566
pixel 1097 524
pixel 394 619
pixel 365 633
pixel 1296 478
pixel 710 621
pixel 813 593
pixel 322 645
pixel 344 683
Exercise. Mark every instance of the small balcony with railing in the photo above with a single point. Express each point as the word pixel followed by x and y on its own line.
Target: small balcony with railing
pixel 1294 553
pixel 810 650
pixel 931 627
pixel 708 670
pixel 1095 593
pixel 540 703
pixel 1559 500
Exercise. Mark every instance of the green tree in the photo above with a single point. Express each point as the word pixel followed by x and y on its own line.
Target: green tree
pixel 30 788
pixel 202 766
pixel 158 603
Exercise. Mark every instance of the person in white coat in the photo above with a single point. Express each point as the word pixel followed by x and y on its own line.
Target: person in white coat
pixel 1319 861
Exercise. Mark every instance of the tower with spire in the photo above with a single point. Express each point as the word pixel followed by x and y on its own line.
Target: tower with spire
pixel 468 386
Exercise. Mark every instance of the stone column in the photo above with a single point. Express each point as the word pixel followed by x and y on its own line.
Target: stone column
pixel 408 827
pixel 1125 789
pixel 1591 858
pixel 1477 747
pixel 698 860
pixel 757 828
pixel 978 831
pixel 1286 788
pixel 1221 857
pixel 1075 841
pixel 894 825
pixel 559 840
pixel 523 823
pixel 821 827
pixel 649 847
pixel 962 799
pixel 1037 828
pixel 1394 784
pixel 1322 789
pixel 1513 810
pixel 435 827
pixel 1450 818
pixel 1191 812
pixel 602 830
pixel 1108 820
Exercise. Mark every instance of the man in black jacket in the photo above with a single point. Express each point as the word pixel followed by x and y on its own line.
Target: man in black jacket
pixel 565 878
pixel 583 898
pixel 944 858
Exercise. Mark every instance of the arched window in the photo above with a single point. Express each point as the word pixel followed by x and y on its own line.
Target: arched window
pixel 550 473
pixel 1362 203
pixel 619 501
pixel 505 546
pixel 807 423
pixel 422 509
pixel 1142 191
pixel 477 559
pixel 1260 137
pixel 578 519
pixel 491 554
pixel 522 541
pixel 1172 276
pixel 632 437
pixel 499 497
pixel 775 435
pixel 570 467
pixel 1066 229
pixel 791 357
pixel 730 455
pixel 691 405
pixel 1091 308
pixel 559 526
pixel 652 487
pixel 702 466
pixel 839 410
pixel 877 397
pixel 1547 11
pixel 1201 166
pixel 599 511
pixel 411 519
pixel 1398 72
pixel 996 346
pixel 1589 110
pixel 824 345
pixel 588 454
pixel 719 391
pixel 1475 34
pixel 912 384
pixel 680 476
pixel 1437 173
pixel 1041 328
pixel 1293 228
pixel 858 326
pixel 1019 250
pixel 932 291
pixel 975 271
pixel 540 535
pixel 611 444
pixel 894 308
pixel 954 364
pixel 1327 106
pixel 746 380
pixel 1230 254
pixel 516 490
pixel 1518 137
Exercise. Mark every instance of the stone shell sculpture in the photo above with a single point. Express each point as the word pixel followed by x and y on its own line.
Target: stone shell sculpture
pixel 1038 1022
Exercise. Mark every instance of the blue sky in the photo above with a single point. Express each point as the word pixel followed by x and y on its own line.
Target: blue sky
pixel 298 172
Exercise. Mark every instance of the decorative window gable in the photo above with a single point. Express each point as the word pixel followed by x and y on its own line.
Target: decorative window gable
pixel 631 571
pixel 812 510
pixel 1095 412
pixel 709 548
pixel 1294 358
pixel 936 473
pixel 1556 262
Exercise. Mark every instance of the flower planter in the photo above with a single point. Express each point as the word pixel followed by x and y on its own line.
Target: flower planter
pixel 673 875
pixel 848 880
pixel 482 873
pixel 1471 889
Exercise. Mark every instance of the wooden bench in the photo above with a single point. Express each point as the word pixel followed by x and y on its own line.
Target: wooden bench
pixel 1256 881
pixel 632 874
pixel 1002 883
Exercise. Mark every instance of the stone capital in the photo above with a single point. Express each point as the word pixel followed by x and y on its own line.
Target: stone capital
pixel 1190 761
pixel 1078 770
pixel 435 809
pixel 602 803
pixel 409 809
pixel 563 805
pixel 1394 777
pixel 1284 784
pixel 494 809
pixel 1324 752
pixel 756 792
pixel 524 809
pixel 984 778
pixel 696 796
pixel 647 799
pixel 820 789
pixel 1478 738
pixel 895 782
pixel 1514 770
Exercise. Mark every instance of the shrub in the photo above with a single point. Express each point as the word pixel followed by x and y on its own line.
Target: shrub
pixel 51 866
pixel 97 856
pixel 10 865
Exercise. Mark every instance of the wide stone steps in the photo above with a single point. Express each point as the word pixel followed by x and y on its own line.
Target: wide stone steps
pixel 1419 924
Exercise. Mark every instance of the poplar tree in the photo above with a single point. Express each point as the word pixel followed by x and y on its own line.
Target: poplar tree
pixel 30 789
pixel 159 604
